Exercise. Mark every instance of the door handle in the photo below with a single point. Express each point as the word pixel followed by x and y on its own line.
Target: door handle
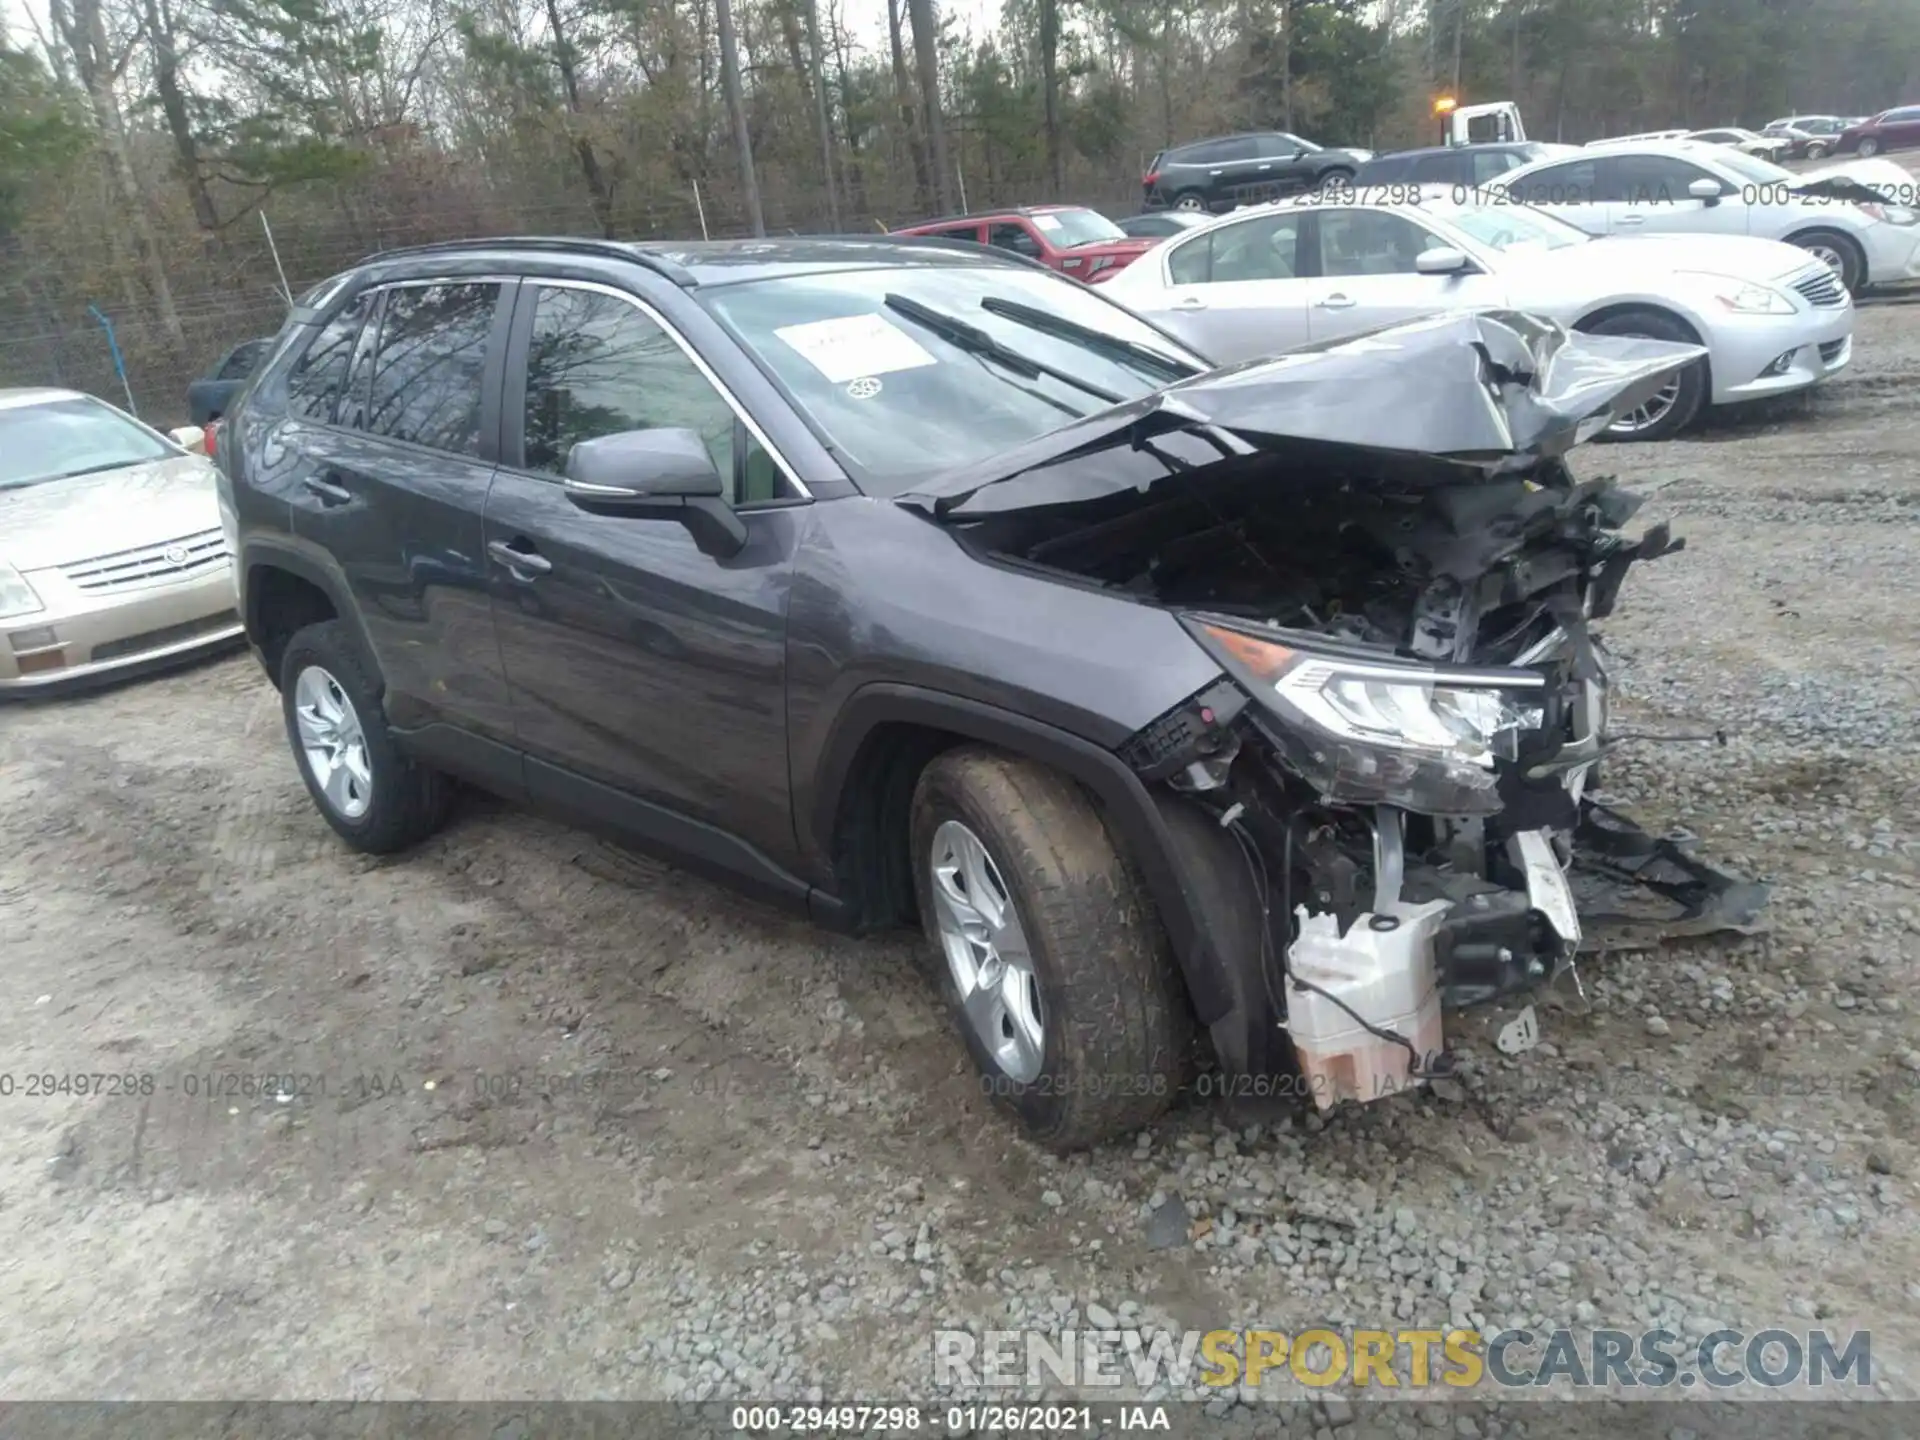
pixel 1266 167
pixel 1190 302
pixel 1631 220
pixel 1337 302
pixel 522 563
pixel 326 491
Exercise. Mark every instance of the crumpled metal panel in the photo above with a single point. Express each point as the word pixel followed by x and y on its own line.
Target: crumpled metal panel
pixel 1488 390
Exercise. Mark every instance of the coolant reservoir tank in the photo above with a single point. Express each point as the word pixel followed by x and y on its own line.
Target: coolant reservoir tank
pixel 1383 970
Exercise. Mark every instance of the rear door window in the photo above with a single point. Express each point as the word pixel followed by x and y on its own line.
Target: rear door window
pixel 319 377
pixel 428 362
pixel 1570 184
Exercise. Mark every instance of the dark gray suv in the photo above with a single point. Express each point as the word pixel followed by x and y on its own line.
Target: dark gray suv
pixel 895 580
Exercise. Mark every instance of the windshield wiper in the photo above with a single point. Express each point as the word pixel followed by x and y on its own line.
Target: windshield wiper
pixel 959 333
pixel 1059 326
pixel 100 469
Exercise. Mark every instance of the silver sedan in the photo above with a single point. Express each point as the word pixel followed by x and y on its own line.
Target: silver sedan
pixel 1257 282
pixel 112 557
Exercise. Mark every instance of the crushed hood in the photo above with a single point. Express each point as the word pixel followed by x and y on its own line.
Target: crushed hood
pixel 1871 179
pixel 1494 391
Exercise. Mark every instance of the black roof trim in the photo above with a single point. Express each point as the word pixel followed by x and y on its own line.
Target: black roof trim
pixel 549 244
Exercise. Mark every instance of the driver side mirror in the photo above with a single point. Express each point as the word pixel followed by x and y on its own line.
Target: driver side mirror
pixel 1442 260
pixel 1705 189
pixel 665 474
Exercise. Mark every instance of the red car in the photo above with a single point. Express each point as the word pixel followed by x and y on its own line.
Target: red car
pixel 1072 239
pixel 1889 130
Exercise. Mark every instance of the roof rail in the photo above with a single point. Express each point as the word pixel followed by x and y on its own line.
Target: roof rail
pixel 964 247
pixel 556 244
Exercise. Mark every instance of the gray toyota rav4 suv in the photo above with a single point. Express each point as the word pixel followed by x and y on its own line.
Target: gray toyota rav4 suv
pixel 1240 718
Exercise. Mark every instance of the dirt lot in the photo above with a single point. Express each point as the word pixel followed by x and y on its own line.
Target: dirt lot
pixel 569 1123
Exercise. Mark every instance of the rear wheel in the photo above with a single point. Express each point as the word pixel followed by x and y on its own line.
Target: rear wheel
pixel 1190 200
pixel 1817 150
pixel 1838 252
pixel 1869 147
pixel 377 799
pixel 1054 963
pixel 1673 408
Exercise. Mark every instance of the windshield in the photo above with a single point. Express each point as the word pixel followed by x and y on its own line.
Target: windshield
pixel 1517 227
pixel 1068 228
pixel 1754 169
pixel 63 438
pixel 897 395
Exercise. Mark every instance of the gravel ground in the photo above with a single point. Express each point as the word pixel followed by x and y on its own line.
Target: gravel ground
pixel 573 1124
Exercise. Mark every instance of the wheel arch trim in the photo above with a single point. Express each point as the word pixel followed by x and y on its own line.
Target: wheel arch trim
pixel 1163 861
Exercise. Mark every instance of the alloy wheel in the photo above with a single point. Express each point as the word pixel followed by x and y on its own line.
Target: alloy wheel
pixel 1649 414
pixel 987 952
pixel 333 742
pixel 1189 203
pixel 1828 256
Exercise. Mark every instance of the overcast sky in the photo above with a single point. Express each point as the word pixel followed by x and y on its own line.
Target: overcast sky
pixel 867 19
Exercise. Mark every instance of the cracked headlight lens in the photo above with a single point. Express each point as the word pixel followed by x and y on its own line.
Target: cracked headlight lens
pixel 16 595
pixel 1364 731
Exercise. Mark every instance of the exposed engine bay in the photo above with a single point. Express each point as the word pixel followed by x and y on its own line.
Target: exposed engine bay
pixel 1395 777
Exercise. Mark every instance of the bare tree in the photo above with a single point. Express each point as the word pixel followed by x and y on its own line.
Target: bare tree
pixel 596 178
pixel 83 29
pixel 163 40
pixel 909 121
pixel 1050 86
pixel 823 114
pixel 926 41
pixel 737 108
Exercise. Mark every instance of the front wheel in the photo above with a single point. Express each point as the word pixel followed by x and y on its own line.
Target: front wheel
pixel 1869 147
pixel 1336 180
pixel 1816 151
pixel 1054 963
pixel 1673 408
pixel 1838 253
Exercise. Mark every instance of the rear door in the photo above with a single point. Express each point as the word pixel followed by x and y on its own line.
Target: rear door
pixel 1366 275
pixel 1235 290
pixel 648 678
pixel 1902 128
pixel 396 448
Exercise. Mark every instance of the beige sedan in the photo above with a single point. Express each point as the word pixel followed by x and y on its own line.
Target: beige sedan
pixel 112 557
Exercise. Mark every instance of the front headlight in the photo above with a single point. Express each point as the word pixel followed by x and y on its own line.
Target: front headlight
pixel 16 595
pixel 1367 732
pixel 1892 214
pixel 1743 297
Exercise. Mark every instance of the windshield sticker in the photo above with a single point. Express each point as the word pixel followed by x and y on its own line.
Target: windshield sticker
pixel 1046 222
pixel 855 347
pixel 865 388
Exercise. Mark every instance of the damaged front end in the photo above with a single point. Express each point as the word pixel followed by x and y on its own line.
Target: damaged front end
pixel 1382 547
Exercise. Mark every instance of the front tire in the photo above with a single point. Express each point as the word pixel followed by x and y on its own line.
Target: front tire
pixel 1675 407
pixel 1053 960
pixel 1869 147
pixel 1839 252
pixel 376 799
pixel 1817 151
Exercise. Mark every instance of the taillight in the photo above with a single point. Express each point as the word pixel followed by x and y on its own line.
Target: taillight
pixel 213 448
pixel 1152 177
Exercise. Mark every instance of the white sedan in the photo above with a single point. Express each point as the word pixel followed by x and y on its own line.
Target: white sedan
pixel 1684 187
pixel 1260 281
